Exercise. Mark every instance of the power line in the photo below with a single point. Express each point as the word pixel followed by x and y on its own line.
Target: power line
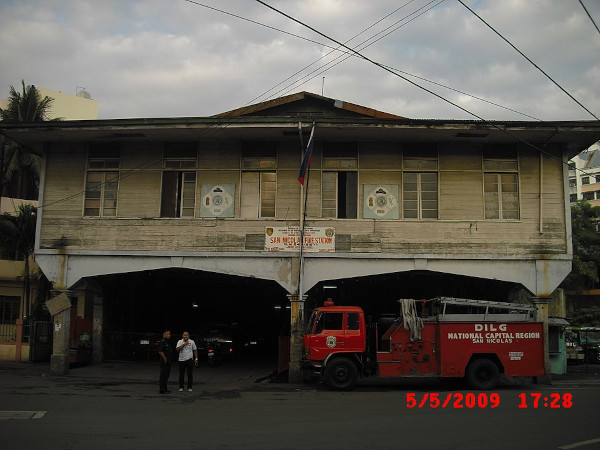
pixel 589 15
pixel 529 144
pixel 255 22
pixel 360 55
pixel 288 88
pixel 329 53
pixel 524 56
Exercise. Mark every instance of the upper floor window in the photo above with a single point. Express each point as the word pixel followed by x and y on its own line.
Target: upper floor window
pixel 178 195
pixel 182 155
pixel 499 157
pixel 585 180
pixel 420 195
pixel 259 155
pixel 102 180
pixel 420 156
pixel 419 181
pixel 501 182
pixel 259 179
pixel 501 195
pixel 340 155
pixel 339 192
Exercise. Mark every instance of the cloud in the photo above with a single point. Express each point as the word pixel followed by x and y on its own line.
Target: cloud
pixel 157 58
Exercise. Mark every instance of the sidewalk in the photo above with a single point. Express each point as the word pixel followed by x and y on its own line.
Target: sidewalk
pixel 229 375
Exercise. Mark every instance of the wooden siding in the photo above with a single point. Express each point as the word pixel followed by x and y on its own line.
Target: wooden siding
pixel 460 229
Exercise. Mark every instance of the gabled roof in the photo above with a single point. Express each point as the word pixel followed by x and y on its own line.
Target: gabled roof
pixel 306 103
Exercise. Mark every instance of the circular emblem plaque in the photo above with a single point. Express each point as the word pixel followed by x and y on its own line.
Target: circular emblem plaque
pixel 331 341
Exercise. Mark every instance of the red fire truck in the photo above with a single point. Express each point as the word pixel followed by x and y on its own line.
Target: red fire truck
pixel 434 338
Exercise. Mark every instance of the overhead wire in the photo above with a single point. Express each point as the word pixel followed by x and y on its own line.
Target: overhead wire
pixel 361 46
pixel 360 55
pixel 332 50
pixel 529 60
pixel 330 65
pixel 589 15
pixel 339 49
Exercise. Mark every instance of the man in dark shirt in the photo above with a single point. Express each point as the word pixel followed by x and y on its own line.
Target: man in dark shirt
pixel 164 350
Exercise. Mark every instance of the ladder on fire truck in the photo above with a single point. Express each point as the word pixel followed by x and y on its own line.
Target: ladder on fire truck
pixel 515 312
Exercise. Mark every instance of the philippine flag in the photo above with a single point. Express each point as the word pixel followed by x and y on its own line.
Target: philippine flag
pixel 307 158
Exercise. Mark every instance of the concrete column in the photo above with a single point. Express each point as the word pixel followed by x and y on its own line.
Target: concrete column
pixel 19 340
pixel 296 334
pixel 97 352
pixel 541 315
pixel 60 309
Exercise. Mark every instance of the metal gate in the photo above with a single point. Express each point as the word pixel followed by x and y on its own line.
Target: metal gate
pixel 40 341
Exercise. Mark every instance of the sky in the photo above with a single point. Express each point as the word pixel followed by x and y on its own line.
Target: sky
pixel 180 58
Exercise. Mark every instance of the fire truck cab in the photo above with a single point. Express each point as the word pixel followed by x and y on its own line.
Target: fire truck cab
pixel 425 340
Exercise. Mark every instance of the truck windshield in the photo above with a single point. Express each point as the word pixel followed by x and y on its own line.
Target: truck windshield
pixel 311 322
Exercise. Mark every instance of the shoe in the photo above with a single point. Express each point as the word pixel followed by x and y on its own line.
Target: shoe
pixel 164 392
pixel 180 389
pixel 189 389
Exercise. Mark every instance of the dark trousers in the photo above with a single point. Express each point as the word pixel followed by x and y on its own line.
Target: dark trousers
pixel 165 371
pixel 186 366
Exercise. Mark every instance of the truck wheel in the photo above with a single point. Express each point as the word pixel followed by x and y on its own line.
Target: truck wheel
pixel 483 374
pixel 341 374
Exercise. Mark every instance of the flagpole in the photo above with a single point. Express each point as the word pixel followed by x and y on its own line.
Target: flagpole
pixel 302 216
pixel 304 190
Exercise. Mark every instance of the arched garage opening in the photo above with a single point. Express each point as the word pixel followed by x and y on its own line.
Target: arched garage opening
pixel 137 306
pixel 379 294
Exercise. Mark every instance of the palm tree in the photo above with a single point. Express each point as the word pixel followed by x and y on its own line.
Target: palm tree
pixel 17 239
pixel 26 106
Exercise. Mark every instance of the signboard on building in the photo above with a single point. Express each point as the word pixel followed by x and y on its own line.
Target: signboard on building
pixel 287 239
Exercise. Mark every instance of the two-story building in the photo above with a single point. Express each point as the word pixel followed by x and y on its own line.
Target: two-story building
pixel 145 223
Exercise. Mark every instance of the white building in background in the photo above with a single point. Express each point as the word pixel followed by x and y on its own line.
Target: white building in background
pixel 80 106
pixel 584 176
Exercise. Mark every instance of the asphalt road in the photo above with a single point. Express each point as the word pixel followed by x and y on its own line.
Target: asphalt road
pixel 87 412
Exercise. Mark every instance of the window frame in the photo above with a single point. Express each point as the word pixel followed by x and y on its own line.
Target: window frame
pixel 104 160
pixel 350 208
pixel 501 161
pixel 16 306
pixel 420 200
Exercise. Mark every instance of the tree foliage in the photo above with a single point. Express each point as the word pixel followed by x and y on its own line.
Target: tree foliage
pixel 585 220
pixel 17 232
pixel 25 106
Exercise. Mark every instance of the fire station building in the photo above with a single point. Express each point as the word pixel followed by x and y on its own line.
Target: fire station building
pixel 180 222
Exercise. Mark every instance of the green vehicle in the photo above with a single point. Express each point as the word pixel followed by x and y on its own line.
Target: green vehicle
pixel 583 344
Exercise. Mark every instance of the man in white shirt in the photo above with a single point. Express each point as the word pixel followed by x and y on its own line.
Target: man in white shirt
pixel 188 357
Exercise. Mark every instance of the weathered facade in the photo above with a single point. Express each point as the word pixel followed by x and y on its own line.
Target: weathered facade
pixel 394 195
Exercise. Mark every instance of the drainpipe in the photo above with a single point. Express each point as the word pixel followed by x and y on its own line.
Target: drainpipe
pixel 541 193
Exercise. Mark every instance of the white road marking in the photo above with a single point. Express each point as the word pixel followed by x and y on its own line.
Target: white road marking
pixel 21 415
pixel 580 444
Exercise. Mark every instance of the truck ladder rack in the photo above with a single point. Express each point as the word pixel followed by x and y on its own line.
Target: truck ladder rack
pixel 483 304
